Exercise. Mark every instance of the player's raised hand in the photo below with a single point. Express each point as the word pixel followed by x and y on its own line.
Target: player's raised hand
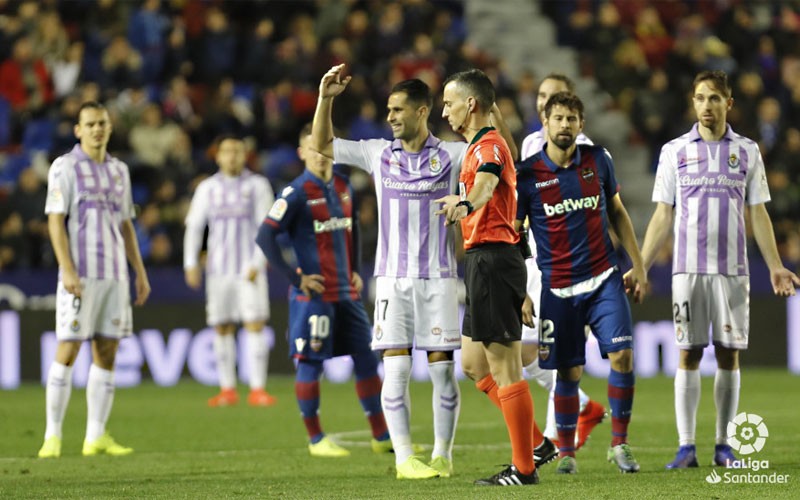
pixel 333 82
pixel 528 313
pixel 452 213
pixel 357 282
pixel 311 283
pixel 784 282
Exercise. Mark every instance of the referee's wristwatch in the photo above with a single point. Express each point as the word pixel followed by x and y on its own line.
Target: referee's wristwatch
pixel 466 203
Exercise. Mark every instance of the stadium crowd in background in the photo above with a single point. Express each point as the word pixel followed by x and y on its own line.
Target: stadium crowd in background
pixel 174 74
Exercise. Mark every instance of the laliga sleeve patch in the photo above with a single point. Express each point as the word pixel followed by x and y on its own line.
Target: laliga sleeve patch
pixel 278 209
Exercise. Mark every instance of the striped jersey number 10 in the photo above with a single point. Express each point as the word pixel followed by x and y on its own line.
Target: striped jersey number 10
pixel 320 326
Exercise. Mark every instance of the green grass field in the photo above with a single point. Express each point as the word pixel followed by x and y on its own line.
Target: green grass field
pixel 187 450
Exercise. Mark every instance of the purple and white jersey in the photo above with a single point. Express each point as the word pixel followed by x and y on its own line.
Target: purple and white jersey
pixel 533 143
pixel 708 184
pixel 413 242
pixel 233 208
pixel 96 199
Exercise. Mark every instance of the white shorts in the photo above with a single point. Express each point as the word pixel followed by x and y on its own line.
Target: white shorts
pixel 416 312
pixel 534 290
pixel 700 300
pixel 234 299
pixel 103 310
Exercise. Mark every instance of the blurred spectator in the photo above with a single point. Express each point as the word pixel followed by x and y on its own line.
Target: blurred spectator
pixel 654 111
pixel 176 105
pixel 146 32
pixel 652 37
pixel 152 140
pixel 67 71
pixel 218 54
pixel 368 125
pixel 122 64
pixel 768 117
pixel 25 81
pixel 28 201
pixel 49 39
pixel 259 53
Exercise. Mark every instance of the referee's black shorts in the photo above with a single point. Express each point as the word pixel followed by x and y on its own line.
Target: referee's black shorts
pixel 495 277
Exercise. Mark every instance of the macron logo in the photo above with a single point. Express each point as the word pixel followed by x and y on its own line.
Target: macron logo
pixel 566 206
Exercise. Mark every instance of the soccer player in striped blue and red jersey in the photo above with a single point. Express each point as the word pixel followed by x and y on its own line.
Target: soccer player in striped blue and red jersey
pixel 326 315
pixel 569 194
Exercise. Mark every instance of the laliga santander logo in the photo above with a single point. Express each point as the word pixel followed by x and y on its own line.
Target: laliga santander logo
pixel 747 433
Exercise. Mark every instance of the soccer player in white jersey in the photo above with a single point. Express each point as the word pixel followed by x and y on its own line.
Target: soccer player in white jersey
pixel 706 177
pixel 232 203
pixel 89 207
pixel 415 298
pixel 591 412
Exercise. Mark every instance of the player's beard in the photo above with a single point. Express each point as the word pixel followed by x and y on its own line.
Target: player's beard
pixel 563 143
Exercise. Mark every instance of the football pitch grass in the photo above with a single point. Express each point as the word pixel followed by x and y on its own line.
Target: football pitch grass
pixel 186 450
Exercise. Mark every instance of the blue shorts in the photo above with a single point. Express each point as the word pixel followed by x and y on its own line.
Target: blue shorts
pixel 562 331
pixel 321 330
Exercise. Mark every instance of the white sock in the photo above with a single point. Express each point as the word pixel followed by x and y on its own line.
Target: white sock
pixel 99 398
pixel 584 400
pixel 225 349
pixel 687 398
pixel 550 430
pixel 726 397
pixel 446 407
pixel 59 387
pixel 396 404
pixel 545 378
pixel 257 359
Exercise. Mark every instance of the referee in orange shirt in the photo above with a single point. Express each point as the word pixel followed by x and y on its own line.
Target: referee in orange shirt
pixel 495 269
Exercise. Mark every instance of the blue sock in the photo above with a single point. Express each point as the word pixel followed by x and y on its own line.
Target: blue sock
pixel 306 388
pixel 620 400
pixel 567 406
pixel 368 388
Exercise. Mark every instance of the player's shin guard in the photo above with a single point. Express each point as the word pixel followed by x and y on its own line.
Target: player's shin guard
pixel 306 389
pixel 726 397
pixel 368 388
pixel 566 404
pixel 225 351
pixel 620 400
pixel 517 406
pixel 99 399
pixel 687 399
pixel 59 388
pixel 257 358
pixel 396 404
pixel 446 407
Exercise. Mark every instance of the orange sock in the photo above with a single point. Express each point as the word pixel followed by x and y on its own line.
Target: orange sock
pixel 517 406
pixel 538 437
pixel 488 386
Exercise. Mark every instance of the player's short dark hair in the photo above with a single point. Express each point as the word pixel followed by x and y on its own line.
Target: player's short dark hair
pixel 227 137
pixel 718 79
pixel 476 84
pixel 561 78
pixel 566 99
pixel 416 91
pixel 89 105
